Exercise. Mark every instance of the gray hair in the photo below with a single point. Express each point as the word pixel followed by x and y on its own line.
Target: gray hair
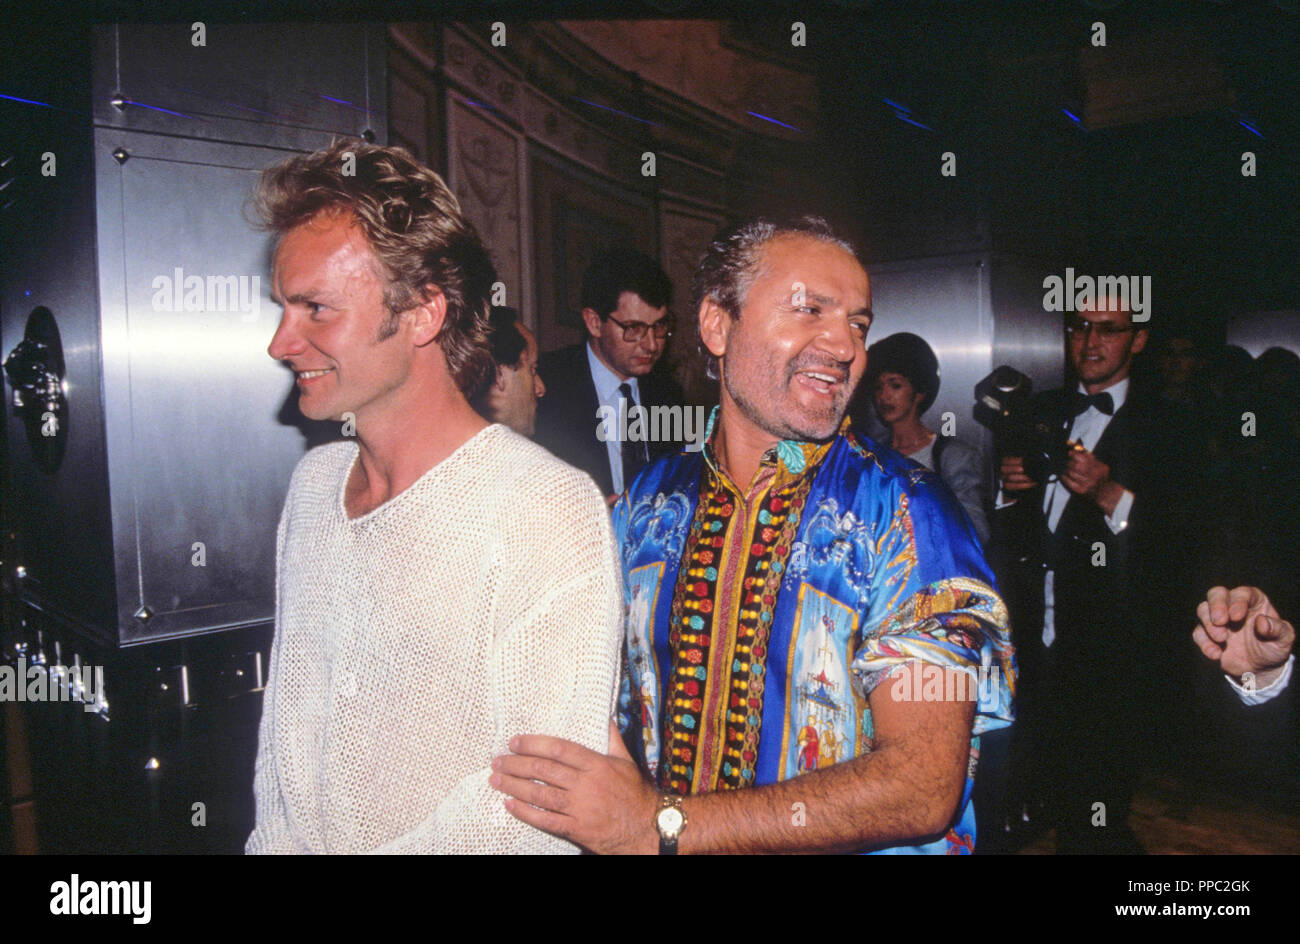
pixel 731 263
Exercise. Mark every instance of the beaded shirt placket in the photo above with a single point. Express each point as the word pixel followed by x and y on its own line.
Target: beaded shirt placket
pixel 721 620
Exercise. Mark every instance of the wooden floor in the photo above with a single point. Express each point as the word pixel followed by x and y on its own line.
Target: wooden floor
pixel 1172 817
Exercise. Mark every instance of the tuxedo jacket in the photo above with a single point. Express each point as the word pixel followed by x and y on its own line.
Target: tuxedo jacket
pixel 1110 590
pixel 568 417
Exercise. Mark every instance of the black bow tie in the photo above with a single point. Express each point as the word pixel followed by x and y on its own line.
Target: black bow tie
pixel 1102 401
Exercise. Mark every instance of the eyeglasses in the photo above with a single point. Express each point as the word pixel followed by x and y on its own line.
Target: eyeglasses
pixel 635 330
pixel 1106 329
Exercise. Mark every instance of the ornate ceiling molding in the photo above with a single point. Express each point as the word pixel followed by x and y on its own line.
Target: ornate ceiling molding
pixel 704 62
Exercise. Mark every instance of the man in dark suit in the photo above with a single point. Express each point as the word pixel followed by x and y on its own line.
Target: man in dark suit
pixel 593 387
pixel 1082 580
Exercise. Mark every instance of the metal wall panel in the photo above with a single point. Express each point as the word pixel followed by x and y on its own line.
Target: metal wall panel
pixel 285 84
pixel 978 311
pixel 1024 335
pixel 179 427
pixel 197 450
pixel 61 517
pixel 946 302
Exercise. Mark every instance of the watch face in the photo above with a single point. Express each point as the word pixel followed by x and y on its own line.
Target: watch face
pixel 670 821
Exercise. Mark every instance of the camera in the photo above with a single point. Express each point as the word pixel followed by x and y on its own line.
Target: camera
pixel 1002 403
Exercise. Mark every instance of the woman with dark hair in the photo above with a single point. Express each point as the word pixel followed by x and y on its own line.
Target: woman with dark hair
pixel 901 382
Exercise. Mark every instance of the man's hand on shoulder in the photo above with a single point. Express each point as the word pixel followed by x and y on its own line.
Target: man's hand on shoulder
pixel 599 801
pixel 1242 631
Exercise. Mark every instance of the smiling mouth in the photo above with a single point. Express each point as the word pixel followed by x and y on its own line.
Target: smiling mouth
pixel 821 381
pixel 306 376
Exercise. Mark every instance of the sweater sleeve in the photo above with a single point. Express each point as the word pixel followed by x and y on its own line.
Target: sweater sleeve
pixel 271 833
pixel 554 671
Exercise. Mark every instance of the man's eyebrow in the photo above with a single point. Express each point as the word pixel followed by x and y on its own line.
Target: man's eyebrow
pixel 831 302
pixel 805 297
pixel 298 298
pixel 822 299
pixel 664 317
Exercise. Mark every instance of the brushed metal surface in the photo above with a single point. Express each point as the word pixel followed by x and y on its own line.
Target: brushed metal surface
pixel 198 454
pixel 61 519
pixel 285 84
pixel 978 311
pixel 182 435
pixel 946 302
pixel 1024 335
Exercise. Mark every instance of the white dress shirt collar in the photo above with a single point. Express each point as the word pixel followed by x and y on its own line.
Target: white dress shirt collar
pixel 607 382
pixel 1118 393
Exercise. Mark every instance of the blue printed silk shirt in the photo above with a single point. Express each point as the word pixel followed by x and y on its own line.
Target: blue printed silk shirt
pixel 759 619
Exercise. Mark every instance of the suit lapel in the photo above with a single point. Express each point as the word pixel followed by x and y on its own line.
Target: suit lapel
pixel 587 409
pixel 588 403
pixel 1116 441
pixel 1112 449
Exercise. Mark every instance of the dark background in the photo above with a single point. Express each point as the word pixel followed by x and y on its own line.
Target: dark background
pixel 1146 181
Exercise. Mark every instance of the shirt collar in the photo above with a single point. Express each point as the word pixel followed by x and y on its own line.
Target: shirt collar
pixel 606 381
pixel 1118 392
pixel 791 458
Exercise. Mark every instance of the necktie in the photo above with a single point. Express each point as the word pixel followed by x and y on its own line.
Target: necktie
pixel 635 455
pixel 1102 401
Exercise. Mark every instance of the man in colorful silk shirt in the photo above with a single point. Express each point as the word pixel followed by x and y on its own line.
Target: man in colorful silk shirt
pixel 814 643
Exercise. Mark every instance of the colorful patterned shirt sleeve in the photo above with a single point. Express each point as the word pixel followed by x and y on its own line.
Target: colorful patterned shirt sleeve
pixel 935 602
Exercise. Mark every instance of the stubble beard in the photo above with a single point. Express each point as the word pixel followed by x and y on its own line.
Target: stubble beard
pixel 817 427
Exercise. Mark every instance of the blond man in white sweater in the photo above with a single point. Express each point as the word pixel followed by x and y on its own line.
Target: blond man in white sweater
pixel 423 615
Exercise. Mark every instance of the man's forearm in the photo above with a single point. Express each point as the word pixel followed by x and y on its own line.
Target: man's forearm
pixel 892 796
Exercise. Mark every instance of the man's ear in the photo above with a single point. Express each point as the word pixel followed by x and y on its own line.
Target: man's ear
pixel 593 321
pixel 715 326
pixel 1139 340
pixel 501 379
pixel 428 317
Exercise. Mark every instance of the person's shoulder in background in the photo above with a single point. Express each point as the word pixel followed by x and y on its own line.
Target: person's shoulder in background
pixel 561 355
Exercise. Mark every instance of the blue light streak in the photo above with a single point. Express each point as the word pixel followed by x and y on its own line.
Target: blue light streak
pixel 774 121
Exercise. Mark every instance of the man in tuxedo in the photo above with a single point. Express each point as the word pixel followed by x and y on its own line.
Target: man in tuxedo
pixel 625 299
pixel 1082 583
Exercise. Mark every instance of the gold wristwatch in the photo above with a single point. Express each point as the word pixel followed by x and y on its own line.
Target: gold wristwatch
pixel 670 821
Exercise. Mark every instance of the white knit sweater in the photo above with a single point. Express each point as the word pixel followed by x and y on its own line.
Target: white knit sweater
pixel 413 642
